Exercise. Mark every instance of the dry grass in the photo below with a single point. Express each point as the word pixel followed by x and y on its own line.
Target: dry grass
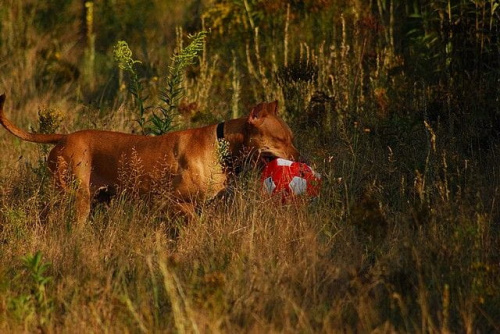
pixel 246 265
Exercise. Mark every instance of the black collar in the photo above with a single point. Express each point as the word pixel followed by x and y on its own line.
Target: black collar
pixel 220 131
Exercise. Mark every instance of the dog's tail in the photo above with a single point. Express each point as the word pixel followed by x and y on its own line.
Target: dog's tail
pixel 24 135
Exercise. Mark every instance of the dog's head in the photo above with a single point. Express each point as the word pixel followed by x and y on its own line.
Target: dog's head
pixel 268 135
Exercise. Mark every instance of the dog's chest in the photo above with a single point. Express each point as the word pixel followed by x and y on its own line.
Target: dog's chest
pixel 190 177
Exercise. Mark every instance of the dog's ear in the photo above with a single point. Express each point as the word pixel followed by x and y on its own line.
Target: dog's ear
pixel 257 114
pixel 272 107
pixel 260 111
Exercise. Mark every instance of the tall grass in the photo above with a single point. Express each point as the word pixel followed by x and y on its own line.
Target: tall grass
pixel 404 237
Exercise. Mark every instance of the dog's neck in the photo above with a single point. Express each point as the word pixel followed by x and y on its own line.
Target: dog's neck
pixel 234 132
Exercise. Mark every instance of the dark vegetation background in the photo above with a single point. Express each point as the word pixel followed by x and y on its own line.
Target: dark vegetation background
pixel 395 103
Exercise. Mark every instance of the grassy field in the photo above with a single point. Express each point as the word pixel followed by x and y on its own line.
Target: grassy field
pixel 396 104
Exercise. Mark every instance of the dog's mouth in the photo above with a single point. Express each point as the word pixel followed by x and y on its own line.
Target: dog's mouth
pixel 266 157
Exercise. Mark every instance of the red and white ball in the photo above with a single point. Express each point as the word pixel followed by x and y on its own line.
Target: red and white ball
pixel 290 179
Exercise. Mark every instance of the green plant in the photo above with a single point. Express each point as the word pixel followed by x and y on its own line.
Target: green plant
pixel 49 121
pixel 36 268
pixel 222 150
pixel 36 302
pixel 172 95
pixel 162 122
pixel 123 57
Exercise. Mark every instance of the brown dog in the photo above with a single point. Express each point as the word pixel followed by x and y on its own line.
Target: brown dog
pixel 188 162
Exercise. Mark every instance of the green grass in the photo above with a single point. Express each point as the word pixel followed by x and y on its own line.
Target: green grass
pixel 404 236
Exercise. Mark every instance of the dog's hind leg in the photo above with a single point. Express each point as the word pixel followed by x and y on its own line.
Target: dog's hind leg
pixel 81 172
pixel 82 204
pixel 66 174
pixel 59 168
pixel 73 170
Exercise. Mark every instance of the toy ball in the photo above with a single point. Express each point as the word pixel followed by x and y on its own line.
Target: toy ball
pixel 290 179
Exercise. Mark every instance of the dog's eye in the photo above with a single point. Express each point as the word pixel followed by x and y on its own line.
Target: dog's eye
pixel 278 141
pixel 282 140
